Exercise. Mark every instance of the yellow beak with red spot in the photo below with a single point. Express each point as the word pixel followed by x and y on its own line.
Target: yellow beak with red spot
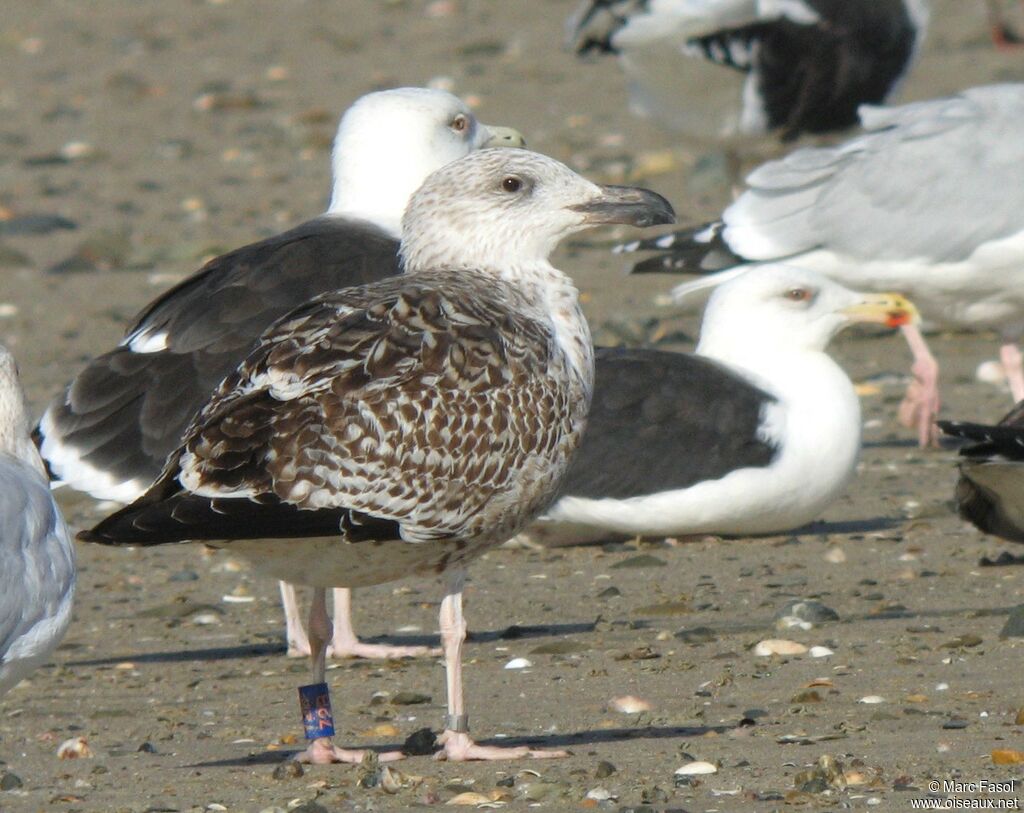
pixel 889 309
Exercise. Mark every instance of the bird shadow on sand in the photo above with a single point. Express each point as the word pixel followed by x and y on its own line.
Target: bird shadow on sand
pixel 272 649
pixel 547 741
pixel 850 526
pixel 890 443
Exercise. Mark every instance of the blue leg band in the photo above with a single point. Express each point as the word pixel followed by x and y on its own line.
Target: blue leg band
pixel 315 702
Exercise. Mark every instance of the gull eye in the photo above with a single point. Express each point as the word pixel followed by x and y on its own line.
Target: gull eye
pixel 511 183
pixel 460 123
pixel 798 295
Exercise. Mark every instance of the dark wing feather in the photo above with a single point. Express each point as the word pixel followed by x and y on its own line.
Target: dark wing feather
pixel 596 22
pixel 662 421
pixel 695 250
pixel 420 401
pixel 991 486
pixel 127 411
pixel 812 78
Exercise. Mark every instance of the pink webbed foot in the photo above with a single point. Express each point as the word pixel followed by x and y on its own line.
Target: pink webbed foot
pixel 460 747
pixel 919 409
pixel 358 649
pixel 323 751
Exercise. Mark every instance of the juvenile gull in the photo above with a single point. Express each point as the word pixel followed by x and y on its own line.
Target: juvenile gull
pixel 808 63
pixel 990 491
pixel 756 433
pixel 110 430
pixel 929 201
pixel 37 559
pixel 407 425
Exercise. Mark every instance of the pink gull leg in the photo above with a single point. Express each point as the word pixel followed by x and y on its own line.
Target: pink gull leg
pixel 322 751
pixel 458 746
pixel 1013 366
pixel 921 404
pixel 298 641
pixel 345 644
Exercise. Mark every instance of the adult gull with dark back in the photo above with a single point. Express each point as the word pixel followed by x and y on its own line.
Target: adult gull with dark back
pixel 37 559
pixel 929 201
pixel 407 425
pixel 755 433
pixel 110 430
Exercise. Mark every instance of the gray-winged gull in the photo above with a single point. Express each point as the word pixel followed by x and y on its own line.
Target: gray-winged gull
pixel 929 201
pixel 808 63
pixel 990 491
pixel 407 425
pixel 757 432
pixel 37 559
pixel 110 430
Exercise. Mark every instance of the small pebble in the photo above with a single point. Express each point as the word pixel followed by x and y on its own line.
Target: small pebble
pixel 872 699
pixel 820 652
pixel 10 781
pixel 519 663
pixel 600 795
pixel 604 769
pixel 410 699
pixel 807 611
pixel 1014 627
pixel 288 770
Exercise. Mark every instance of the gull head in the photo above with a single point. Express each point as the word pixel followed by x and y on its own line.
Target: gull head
pixel 388 142
pixel 780 308
pixel 501 210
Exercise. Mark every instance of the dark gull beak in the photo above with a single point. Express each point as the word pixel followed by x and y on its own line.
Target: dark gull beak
pixel 628 205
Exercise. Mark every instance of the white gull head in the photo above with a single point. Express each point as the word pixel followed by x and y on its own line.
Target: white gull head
pixel 389 141
pixel 778 308
pixel 503 211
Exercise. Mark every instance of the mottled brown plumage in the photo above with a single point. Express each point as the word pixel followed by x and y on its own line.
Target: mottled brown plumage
pixel 440 383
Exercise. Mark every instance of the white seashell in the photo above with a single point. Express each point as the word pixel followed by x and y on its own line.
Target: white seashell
pixel 991 372
pixel 695 768
pixel 778 646
pixel 75 748
pixel 835 555
pixel 518 663
pixel 628 704
pixel 872 699
pixel 601 795
pixel 821 652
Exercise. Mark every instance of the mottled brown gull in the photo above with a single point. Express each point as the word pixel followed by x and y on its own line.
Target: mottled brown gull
pixel 404 426
pixel 110 430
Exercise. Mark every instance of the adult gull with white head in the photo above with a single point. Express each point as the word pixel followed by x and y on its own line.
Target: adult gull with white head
pixel 755 433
